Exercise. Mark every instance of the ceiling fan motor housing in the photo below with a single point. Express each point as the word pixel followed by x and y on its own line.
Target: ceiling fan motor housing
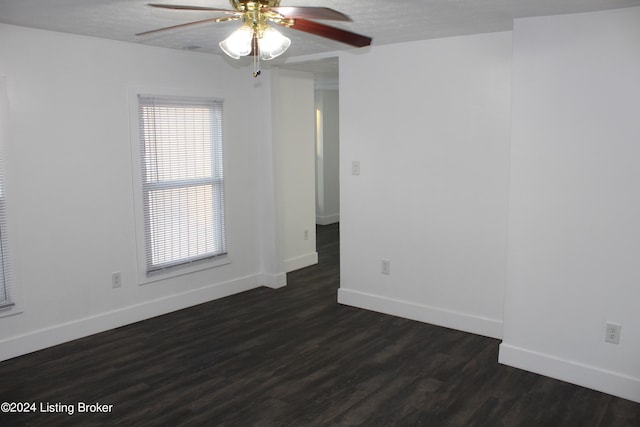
pixel 256 13
pixel 247 5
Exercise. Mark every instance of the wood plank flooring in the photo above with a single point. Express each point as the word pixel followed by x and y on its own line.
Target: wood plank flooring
pixel 294 357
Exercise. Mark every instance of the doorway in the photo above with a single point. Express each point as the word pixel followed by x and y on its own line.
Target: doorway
pixel 326 93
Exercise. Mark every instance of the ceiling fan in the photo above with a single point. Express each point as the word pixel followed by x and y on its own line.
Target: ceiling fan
pixel 257 38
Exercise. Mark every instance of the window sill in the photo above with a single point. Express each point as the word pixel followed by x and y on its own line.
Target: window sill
pixel 10 310
pixel 181 270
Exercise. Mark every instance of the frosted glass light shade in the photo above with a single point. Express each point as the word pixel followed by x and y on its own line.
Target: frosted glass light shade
pixel 238 43
pixel 272 44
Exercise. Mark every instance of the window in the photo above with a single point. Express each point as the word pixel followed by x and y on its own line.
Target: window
pixel 182 181
pixel 5 281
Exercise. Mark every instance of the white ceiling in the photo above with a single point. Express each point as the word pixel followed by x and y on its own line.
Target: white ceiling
pixel 386 21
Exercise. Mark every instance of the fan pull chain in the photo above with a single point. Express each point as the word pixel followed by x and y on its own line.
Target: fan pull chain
pixel 256 58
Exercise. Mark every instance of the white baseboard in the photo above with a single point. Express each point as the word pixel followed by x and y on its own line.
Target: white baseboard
pixel 327 219
pixel 58 334
pixel 274 281
pixel 423 313
pixel 300 262
pixel 571 371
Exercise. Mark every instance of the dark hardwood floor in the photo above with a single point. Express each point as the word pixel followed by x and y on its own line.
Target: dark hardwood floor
pixel 294 357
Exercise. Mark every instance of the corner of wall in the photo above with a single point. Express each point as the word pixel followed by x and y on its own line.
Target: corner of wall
pixel 423 313
pixel 274 281
pixel 570 371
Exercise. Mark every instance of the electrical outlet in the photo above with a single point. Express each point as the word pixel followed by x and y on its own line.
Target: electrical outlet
pixel 386 266
pixel 306 234
pixel 355 167
pixel 116 279
pixel 612 333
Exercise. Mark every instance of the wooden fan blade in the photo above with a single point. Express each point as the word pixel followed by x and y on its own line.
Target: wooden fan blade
pixel 311 13
pixel 333 33
pixel 183 7
pixel 185 25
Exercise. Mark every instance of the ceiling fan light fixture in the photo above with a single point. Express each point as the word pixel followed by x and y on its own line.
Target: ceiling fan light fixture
pixel 238 43
pixel 256 38
pixel 272 44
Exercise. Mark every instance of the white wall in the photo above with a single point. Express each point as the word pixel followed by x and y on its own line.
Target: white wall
pixel 574 229
pixel 293 122
pixel 429 123
pixel 328 157
pixel 69 183
pixel 431 130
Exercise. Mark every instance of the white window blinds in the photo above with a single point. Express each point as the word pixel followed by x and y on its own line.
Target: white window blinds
pixel 5 277
pixel 182 180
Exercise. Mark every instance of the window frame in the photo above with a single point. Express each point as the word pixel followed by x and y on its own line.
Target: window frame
pixel 10 301
pixel 186 266
pixel 6 295
pixel 7 300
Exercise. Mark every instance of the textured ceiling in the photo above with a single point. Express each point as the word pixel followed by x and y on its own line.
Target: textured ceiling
pixel 386 21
